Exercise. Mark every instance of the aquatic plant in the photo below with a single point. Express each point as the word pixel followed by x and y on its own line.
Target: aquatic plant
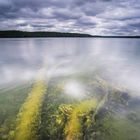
pixel 73 127
pixel 29 113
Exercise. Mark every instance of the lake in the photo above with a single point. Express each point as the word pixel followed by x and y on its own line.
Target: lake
pixel 97 77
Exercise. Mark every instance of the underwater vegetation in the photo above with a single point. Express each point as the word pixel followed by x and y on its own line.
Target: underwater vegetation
pixel 29 113
pixel 44 111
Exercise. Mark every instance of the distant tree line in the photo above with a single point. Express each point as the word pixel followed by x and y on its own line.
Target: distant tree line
pixel 24 34
pixel 20 34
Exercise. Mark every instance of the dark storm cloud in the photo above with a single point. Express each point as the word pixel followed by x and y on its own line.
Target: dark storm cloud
pixel 121 17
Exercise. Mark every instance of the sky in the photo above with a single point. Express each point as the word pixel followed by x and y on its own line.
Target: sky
pixel 96 17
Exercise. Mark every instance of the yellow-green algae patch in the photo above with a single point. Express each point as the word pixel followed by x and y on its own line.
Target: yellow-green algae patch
pixel 73 128
pixel 29 113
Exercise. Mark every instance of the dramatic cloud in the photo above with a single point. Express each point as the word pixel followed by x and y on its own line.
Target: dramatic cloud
pixel 101 17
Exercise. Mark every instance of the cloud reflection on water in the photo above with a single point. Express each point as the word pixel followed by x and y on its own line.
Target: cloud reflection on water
pixel 116 59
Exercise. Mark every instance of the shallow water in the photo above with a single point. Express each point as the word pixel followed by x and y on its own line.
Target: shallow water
pixel 76 62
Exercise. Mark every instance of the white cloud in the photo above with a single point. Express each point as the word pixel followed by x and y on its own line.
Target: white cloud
pixel 95 17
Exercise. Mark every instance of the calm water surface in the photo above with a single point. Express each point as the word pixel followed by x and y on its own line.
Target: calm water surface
pixel 75 70
pixel 117 59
